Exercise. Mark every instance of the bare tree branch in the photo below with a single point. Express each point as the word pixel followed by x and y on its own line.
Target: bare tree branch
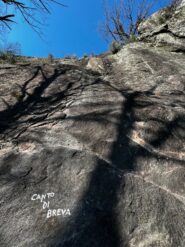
pixel 27 11
pixel 123 18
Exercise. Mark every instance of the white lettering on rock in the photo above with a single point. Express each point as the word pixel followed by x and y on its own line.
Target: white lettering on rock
pixel 44 199
pixel 58 212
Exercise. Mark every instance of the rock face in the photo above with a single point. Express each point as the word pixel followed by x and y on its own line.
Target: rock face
pixel 166 28
pixel 95 64
pixel 95 159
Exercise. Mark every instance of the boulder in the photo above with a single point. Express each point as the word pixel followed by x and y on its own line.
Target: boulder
pixel 95 64
pixel 165 28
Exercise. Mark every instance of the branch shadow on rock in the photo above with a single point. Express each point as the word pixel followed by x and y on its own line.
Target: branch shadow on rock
pixel 95 220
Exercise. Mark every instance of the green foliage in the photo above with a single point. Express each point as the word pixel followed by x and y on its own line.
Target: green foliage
pixel 132 38
pixel 50 58
pixel 71 57
pixel 6 57
pixel 115 47
pixel 9 52
pixel 166 14
pixel 16 94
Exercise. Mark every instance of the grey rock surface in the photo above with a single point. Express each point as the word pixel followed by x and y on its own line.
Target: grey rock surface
pixel 166 28
pixel 96 64
pixel 94 159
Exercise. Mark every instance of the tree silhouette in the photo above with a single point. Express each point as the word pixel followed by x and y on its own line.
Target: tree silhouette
pixel 27 11
pixel 123 18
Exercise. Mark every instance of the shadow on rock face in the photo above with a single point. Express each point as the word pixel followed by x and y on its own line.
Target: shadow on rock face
pixel 96 220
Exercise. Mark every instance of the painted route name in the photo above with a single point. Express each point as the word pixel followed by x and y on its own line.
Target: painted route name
pixel 44 199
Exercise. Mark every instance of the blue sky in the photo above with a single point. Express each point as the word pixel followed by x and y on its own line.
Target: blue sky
pixel 67 31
